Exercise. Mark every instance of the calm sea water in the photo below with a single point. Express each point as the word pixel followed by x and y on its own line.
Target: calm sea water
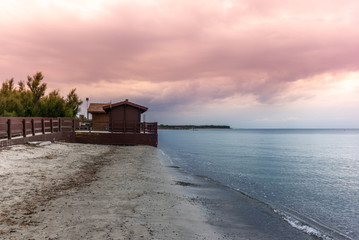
pixel 310 177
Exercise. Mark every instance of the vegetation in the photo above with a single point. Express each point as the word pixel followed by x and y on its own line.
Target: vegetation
pixel 30 100
pixel 162 126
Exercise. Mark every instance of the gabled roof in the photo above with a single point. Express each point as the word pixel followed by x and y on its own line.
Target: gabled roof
pixel 126 102
pixel 96 107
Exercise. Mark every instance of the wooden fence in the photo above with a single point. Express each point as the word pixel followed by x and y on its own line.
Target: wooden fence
pixel 15 130
pixel 117 133
pixel 118 126
pixel 12 127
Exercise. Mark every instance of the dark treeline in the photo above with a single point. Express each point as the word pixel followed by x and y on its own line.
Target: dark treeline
pixel 30 100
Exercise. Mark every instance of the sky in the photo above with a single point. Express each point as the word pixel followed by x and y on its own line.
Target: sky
pixel 243 63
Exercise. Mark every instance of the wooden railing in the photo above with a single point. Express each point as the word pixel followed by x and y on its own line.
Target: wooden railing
pixel 118 127
pixel 17 130
pixel 11 127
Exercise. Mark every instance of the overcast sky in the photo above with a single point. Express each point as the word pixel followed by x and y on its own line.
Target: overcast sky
pixel 245 63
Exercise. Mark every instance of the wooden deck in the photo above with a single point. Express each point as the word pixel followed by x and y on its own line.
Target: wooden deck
pixel 21 130
pixel 113 138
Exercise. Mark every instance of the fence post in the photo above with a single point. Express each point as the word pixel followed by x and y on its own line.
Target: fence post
pixel 43 126
pixel 33 127
pixel 51 126
pixel 60 125
pixel 73 124
pixel 9 129
pixel 24 127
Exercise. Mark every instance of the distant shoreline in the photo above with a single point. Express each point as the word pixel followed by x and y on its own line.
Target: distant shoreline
pixel 186 127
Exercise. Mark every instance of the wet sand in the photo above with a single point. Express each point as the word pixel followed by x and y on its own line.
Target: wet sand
pixel 234 214
pixel 75 191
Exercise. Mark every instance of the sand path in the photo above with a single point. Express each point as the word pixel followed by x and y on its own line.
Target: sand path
pixel 75 191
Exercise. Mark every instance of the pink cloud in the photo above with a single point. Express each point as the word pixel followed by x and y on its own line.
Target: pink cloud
pixel 194 50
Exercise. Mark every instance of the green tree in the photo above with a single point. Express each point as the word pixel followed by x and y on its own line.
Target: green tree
pixel 53 105
pixel 30 100
pixel 10 105
pixel 26 99
pixel 36 87
pixel 73 102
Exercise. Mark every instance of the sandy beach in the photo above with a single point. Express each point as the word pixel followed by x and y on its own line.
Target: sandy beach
pixel 76 191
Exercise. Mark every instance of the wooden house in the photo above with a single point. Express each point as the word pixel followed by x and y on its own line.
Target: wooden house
pixel 124 116
pixel 100 119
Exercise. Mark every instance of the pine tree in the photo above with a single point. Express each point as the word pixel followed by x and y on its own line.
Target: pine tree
pixel 31 100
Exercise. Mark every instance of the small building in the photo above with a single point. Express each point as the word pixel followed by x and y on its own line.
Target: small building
pixel 124 116
pixel 100 119
pixel 118 124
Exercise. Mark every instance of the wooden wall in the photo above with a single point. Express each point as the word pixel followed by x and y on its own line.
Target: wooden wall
pixel 100 121
pixel 126 113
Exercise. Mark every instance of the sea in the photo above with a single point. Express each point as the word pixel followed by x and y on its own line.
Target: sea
pixel 305 179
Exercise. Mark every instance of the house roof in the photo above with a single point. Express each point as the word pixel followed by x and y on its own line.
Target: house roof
pixel 126 102
pixel 97 107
